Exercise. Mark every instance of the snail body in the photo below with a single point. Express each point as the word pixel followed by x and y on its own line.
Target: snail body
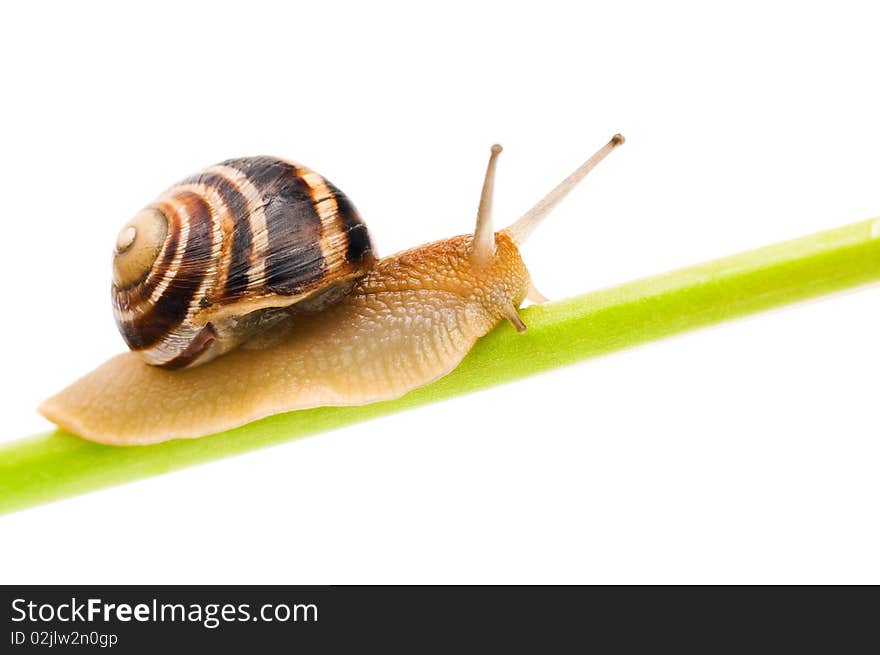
pixel 375 330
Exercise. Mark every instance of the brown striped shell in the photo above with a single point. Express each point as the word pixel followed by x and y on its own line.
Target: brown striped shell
pixel 227 253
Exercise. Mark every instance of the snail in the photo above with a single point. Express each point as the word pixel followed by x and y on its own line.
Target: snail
pixel 252 289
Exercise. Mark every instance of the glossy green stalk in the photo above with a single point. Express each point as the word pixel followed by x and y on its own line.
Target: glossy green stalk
pixel 56 465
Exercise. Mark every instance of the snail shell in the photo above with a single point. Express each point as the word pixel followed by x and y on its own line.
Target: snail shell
pixel 227 253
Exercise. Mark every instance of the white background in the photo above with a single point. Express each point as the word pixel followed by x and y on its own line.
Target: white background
pixel 740 454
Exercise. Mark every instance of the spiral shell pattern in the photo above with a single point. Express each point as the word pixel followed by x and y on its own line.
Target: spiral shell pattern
pixel 221 254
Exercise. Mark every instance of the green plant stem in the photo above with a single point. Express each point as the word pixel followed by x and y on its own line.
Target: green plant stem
pixel 56 465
